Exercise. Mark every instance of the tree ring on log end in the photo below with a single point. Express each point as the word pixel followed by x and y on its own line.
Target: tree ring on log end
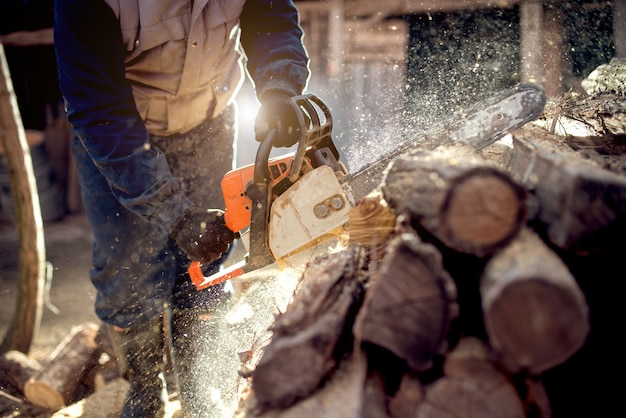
pixel 483 211
pixel 535 325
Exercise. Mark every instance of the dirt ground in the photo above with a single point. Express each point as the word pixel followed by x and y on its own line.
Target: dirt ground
pixel 71 296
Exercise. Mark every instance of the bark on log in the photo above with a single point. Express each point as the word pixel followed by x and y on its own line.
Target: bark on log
pixel 471 387
pixel 455 195
pixel 535 314
pixel 410 305
pixel 581 206
pixel 341 396
pixel 314 332
pixel 104 403
pixel 16 369
pixel 55 384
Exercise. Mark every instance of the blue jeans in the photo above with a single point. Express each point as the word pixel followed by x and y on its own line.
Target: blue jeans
pixel 138 271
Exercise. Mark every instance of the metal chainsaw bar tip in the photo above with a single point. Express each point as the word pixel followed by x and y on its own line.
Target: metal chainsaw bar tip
pixel 479 126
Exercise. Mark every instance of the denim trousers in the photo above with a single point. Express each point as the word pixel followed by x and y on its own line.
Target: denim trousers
pixel 137 269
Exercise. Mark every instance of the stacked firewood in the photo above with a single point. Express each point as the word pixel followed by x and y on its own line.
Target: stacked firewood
pixel 472 284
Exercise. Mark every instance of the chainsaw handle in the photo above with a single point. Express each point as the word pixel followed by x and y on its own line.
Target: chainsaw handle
pixel 312 131
pixel 261 162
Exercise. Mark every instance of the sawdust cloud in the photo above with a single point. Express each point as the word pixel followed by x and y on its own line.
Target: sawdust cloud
pixel 242 328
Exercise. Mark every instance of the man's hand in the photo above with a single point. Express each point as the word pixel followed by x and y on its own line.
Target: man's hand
pixel 277 113
pixel 202 235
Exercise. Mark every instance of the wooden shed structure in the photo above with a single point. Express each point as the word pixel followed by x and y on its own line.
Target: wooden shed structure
pixel 391 68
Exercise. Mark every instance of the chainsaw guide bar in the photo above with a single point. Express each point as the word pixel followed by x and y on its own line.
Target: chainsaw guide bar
pixel 284 206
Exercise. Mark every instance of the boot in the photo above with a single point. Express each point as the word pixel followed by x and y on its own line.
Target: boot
pixel 139 354
pixel 197 358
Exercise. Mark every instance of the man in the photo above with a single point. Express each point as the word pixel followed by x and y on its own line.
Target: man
pixel 149 88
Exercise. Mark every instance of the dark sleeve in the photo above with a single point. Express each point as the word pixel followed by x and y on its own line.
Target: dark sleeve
pixel 271 37
pixel 102 112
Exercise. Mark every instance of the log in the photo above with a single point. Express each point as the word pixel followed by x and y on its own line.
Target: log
pixel 371 223
pixel 535 313
pixel 17 368
pixel 410 304
pixel 341 396
pixel 581 206
pixel 54 385
pixel 28 38
pixel 105 403
pixel 15 406
pixel 313 333
pixel 455 195
pixel 472 386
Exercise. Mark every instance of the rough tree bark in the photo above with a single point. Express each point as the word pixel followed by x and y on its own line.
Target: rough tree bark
pixel 457 196
pixel 55 384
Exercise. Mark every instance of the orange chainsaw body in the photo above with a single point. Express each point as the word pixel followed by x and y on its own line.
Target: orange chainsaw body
pixel 238 208
pixel 278 206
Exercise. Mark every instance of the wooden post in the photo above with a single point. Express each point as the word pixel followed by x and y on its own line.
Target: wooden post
pixel 32 254
pixel 531 22
pixel 619 29
pixel 555 47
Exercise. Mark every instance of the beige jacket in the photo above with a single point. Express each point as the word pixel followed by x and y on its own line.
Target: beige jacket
pixel 183 59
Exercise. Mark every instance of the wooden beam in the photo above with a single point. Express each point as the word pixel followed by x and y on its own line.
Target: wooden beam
pixel 376 8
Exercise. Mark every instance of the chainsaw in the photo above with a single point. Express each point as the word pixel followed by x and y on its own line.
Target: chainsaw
pixel 284 206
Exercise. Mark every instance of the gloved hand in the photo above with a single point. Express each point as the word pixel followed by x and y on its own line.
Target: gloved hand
pixel 277 113
pixel 202 235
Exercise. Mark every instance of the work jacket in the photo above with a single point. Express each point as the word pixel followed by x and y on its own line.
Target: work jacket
pixel 129 66
pixel 182 61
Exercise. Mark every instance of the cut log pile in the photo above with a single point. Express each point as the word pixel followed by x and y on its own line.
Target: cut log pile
pixel 79 365
pixel 471 285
